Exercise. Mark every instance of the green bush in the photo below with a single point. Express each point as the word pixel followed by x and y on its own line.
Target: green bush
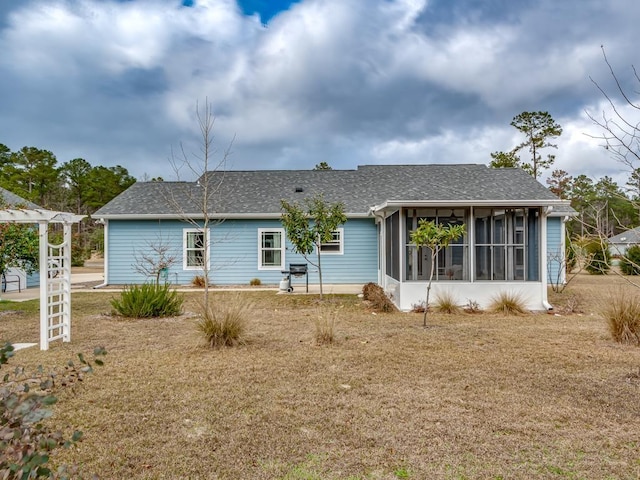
pixel 630 262
pixel 598 258
pixel 223 324
pixel 148 300
pixel 26 442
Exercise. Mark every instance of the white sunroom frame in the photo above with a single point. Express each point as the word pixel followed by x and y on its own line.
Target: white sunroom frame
pixel 55 270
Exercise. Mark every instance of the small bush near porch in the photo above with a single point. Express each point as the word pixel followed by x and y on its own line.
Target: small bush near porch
pixel 474 396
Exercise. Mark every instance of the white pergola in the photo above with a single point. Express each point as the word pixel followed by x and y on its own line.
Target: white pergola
pixel 55 271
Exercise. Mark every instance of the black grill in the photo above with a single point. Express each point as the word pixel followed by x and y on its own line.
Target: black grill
pixel 298 269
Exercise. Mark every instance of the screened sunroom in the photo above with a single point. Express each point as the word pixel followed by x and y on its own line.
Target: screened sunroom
pixel 502 250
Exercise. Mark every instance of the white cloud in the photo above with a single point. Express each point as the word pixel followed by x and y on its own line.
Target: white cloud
pixel 348 81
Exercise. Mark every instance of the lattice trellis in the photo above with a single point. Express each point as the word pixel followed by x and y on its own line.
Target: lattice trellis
pixel 55 271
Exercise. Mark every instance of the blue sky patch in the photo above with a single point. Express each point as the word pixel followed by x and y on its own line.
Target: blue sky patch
pixel 267 9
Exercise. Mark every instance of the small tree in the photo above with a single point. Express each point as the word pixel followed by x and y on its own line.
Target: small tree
pixel 18 247
pixel 210 175
pixel 435 237
pixel 156 260
pixel 307 229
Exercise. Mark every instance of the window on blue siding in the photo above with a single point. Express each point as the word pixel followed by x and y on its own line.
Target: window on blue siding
pixel 271 249
pixel 195 248
pixel 336 245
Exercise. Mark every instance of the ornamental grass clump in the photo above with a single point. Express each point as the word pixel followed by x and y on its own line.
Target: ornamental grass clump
pixel 446 303
pixel 325 327
pixel 147 301
pixel 622 313
pixel 224 324
pixel 508 303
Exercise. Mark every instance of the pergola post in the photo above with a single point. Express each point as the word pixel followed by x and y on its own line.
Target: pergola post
pixel 55 271
pixel 43 243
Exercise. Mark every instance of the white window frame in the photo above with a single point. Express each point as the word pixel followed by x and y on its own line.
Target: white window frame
pixel 207 248
pixel 261 248
pixel 340 242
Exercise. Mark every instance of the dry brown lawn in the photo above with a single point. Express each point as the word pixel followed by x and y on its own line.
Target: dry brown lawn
pixel 472 396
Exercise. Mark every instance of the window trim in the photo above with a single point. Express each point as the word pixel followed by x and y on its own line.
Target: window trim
pixel 185 249
pixel 340 243
pixel 261 248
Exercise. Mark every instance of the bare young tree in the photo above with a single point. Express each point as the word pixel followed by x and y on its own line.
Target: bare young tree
pixel 156 259
pixel 208 165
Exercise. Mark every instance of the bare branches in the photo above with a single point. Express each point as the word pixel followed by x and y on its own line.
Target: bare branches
pixel 620 136
pixel 156 260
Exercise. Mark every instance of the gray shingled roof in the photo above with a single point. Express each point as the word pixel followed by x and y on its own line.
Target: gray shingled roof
pixel 12 200
pixel 260 192
pixel 629 237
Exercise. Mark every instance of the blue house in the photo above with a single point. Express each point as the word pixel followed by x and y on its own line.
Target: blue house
pixel 513 224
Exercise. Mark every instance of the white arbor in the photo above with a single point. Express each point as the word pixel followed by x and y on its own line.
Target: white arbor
pixel 55 271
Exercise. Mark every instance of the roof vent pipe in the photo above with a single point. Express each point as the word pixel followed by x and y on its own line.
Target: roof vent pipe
pixel 299 189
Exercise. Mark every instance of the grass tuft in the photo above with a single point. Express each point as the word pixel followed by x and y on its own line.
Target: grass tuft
pixel 254 282
pixel 508 303
pixel 223 324
pixel 446 302
pixel 325 327
pixel 622 313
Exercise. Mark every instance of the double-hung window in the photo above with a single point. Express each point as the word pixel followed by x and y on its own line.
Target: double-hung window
pixel 195 249
pixel 271 248
pixel 336 245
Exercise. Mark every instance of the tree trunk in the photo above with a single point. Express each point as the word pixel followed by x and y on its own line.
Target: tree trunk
pixel 319 270
pixel 426 306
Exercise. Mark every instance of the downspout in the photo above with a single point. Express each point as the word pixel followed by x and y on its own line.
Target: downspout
pixel 543 256
pixel 381 249
pixel 106 255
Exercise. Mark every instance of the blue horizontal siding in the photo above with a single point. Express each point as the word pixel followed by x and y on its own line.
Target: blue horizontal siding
pixel 234 252
pixel 554 249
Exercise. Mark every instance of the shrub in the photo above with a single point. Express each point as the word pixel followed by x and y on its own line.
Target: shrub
pixel 418 307
pixel 224 324
pixel 199 281
pixel 148 300
pixel 25 400
pixel 368 289
pixel 508 303
pixel 446 302
pixel 472 307
pixel 598 261
pixel 254 282
pixel 622 312
pixel 380 302
pixel 630 262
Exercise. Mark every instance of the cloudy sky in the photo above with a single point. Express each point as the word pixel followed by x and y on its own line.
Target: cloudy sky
pixel 348 82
